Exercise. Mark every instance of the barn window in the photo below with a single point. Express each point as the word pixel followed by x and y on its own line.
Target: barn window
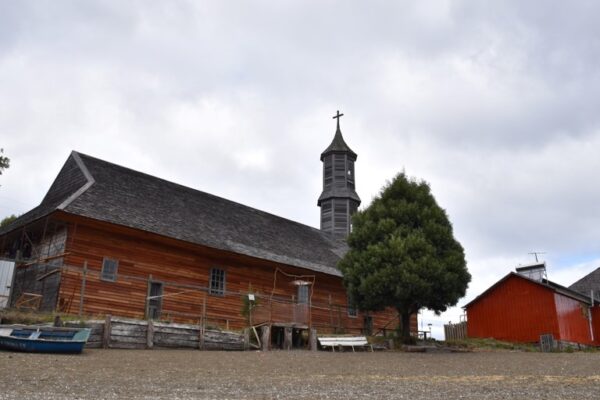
pixel 109 269
pixel 217 281
pixel 352 311
pixel 303 294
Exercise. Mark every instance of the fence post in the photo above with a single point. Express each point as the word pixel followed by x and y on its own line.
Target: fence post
pixel 312 337
pixel 202 324
pixel 150 334
pixel 265 337
pixel 106 333
pixel 246 339
pixel 287 338
pixel 82 294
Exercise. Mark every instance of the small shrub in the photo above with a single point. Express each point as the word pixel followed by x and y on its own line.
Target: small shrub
pixel 569 349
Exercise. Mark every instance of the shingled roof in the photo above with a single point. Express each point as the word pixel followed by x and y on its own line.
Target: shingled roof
pixel 93 188
pixel 338 144
pixel 588 283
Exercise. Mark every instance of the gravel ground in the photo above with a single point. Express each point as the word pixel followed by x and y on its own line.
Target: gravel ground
pixel 182 374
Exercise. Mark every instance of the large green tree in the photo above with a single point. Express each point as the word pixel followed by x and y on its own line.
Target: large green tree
pixel 403 254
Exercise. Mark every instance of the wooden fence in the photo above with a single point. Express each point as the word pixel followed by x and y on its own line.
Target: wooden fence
pixel 121 333
pixel 456 331
pixel 83 292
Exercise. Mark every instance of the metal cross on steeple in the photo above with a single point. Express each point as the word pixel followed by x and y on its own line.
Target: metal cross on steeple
pixel 337 116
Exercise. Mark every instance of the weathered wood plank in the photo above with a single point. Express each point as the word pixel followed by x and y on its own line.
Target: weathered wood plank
pixel 106 332
pixel 126 339
pixel 150 335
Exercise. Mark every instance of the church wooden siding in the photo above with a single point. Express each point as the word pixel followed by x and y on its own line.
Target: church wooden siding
pixel 184 268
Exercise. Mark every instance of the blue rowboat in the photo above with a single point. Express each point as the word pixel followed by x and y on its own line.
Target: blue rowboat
pixel 43 339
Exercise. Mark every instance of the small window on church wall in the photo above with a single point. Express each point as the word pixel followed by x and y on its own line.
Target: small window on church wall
pixel 109 270
pixel 217 282
pixel 303 294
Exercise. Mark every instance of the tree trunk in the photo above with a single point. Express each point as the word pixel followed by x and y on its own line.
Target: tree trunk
pixel 405 326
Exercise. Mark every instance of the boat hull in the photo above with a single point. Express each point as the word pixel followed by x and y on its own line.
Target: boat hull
pixel 39 346
pixel 42 339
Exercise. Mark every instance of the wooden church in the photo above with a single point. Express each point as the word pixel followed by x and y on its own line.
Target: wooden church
pixel 110 240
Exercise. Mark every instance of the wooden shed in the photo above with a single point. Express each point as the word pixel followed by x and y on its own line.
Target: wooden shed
pixel 522 306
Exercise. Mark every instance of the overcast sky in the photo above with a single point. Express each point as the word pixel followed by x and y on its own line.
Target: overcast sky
pixel 495 104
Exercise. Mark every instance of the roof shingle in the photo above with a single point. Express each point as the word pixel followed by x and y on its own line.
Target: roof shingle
pixel 122 196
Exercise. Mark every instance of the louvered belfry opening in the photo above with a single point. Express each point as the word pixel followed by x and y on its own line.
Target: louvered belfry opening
pixel 339 200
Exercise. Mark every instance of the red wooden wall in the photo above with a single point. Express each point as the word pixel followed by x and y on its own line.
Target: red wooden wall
pixel 573 320
pixel 516 310
pixel 596 324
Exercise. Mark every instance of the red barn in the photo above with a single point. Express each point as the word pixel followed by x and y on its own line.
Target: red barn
pixel 522 306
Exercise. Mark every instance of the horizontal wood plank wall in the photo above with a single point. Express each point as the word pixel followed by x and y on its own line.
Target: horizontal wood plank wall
pixel 141 254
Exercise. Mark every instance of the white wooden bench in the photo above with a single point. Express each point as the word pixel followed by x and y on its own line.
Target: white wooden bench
pixel 344 341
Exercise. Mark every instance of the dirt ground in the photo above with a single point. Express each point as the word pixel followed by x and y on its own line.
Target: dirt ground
pixel 182 374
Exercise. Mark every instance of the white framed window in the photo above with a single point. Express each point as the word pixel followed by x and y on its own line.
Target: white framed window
pixel 109 269
pixel 217 282
pixel 303 294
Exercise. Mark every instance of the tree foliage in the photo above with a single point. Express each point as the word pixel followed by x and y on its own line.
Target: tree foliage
pixel 4 161
pixel 403 254
pixel 7 220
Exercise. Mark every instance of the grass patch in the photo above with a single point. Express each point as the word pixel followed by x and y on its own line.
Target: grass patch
pixel 491 344
pixel 20 317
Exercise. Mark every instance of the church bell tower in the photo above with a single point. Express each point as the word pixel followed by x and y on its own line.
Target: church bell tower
pixel 339 200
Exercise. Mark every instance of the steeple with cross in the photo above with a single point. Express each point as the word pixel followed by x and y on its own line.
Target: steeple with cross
pixel 339 200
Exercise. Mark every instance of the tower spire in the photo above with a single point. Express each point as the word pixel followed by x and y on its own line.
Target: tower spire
pixel 339 200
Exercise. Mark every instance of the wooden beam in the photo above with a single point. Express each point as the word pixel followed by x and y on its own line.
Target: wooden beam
pixel 147 309
pixel 106 332
pixel 47 274
pixel 266 336
pixel 246 339
pixel 150 335
pixel 257 337
pixel 203 324
pixel 287 339
pixel 312 338
pixel 82 294
pixel 42 260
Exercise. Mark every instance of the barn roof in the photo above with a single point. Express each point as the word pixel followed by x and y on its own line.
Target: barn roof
pixel 97 189
pixel 588 283
pixel 555 287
